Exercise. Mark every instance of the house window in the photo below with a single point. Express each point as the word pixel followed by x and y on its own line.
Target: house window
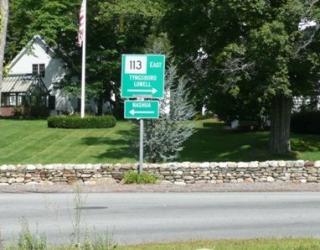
pixel 39 69
pixel 20 99
pixel 42 70
pixel 34 69
pixel 12 100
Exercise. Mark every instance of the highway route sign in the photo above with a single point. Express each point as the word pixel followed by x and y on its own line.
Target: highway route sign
pixel 141 109
pixel 143 76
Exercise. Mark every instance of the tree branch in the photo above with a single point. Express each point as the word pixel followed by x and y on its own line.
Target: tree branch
pixel 311 30
pixel 312 4
pixel 236 65
pixel 305 43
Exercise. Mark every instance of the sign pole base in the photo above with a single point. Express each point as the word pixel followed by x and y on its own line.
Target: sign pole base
pixel 140 167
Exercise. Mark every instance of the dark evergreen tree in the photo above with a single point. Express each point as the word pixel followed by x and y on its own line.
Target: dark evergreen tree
pixel 164 137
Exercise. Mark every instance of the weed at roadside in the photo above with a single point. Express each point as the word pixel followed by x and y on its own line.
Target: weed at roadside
pixel 78 202
pixel 29 241
pixel 1 241
pixel 132 177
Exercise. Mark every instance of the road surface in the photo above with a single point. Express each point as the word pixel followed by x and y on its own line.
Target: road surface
pixel 157 217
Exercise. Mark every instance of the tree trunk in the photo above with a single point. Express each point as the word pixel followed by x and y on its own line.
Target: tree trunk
pixel 4 5
pixel 100 105
pixel 280 125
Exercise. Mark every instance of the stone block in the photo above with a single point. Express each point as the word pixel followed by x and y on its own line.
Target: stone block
pixel 243 165
pixel 180 183
pixel 270 179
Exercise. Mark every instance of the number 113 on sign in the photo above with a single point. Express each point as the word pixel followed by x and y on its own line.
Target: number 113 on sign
pixel 136 64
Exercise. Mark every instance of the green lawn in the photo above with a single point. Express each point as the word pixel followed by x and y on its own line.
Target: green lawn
pixel 33 142
pixel 285 244
pixel 213 143
pixel 268 244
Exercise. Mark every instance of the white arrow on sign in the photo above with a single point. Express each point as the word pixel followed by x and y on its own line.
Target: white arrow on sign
pixel 153 90
pixel 134 112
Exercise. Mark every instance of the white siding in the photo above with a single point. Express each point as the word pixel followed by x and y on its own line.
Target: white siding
pixel 38 53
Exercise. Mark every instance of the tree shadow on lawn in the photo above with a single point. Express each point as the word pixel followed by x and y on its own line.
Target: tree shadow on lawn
pixel 120 145
pixel 214 143
pixel 209 143
pixel 305 143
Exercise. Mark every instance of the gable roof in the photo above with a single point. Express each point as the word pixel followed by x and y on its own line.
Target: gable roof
pixel 36 39
pixel 21 83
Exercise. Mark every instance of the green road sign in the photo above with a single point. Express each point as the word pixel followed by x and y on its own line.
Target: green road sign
pixel 142 76
pixel 141 109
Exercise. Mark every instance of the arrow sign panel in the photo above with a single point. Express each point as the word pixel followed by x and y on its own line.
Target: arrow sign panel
pixel 142 76
pixel 141 109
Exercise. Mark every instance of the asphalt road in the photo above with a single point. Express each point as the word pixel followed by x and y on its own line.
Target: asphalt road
pixel 156 217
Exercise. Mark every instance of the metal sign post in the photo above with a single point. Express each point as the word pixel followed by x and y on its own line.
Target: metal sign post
pixel 140 167
pixel 142 76
pixel 141 109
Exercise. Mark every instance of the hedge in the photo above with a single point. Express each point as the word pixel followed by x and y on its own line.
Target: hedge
pixel 306 122
pixel 107 121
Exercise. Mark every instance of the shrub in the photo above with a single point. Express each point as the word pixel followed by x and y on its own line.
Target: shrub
pixel 307 122
pixel 132 177
pixel 39 111
pixel 31 112
pixel 28 241
pixel 165 137
pixel 107 121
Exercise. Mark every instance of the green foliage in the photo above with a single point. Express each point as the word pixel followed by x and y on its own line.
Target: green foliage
pixel 29 241
pixel 306 122
pixel 164 137
pixel 256 51
pixel 32 241
pixel 255 48
pixel 56 22
pixel 199 116
pixel 146 8
pixel 132 177
pixel 114 28
pixel 73 122
pixel 31 112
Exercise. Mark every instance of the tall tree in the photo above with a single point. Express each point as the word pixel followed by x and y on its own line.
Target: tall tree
pixel 258 50
pixel 114 27
pixel 117 27
pixel 4 11
pixel 21 16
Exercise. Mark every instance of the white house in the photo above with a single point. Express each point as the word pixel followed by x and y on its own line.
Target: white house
pixel 37 65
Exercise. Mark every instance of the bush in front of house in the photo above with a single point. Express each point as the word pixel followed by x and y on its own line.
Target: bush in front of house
pixel 74 122
pixel 31 112
pixel 132 177
pixel 306 122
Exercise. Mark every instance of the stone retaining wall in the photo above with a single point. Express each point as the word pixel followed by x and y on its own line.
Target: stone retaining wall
pixel 177 173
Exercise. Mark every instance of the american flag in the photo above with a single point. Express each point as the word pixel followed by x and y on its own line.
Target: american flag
pixel 82 23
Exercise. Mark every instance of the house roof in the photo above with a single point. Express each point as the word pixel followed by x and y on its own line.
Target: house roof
pixel 27 48
pixel 21 83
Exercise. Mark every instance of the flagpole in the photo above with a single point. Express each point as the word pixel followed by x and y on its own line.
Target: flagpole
pixel 83 69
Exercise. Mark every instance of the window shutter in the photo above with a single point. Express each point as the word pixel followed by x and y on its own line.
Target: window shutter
pixel 42 70
pixel 35 69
